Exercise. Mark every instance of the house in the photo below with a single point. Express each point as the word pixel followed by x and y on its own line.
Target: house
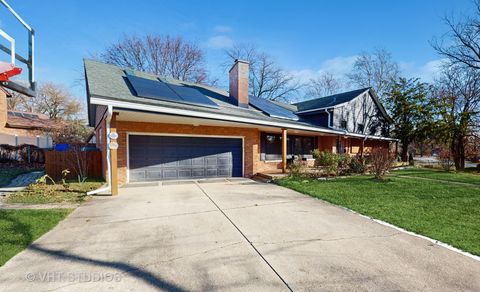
pixel 18 128
pixel 154 128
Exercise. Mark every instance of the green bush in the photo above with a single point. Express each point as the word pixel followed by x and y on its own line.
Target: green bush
pixel 316 153
pixel 296 168
pixel 411 160
pixel 343 164
pixel 357 165
pixel 329 161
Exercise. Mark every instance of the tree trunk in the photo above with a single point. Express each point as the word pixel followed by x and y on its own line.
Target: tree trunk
pixel 458 151
pixel 461 152
pixel 404 153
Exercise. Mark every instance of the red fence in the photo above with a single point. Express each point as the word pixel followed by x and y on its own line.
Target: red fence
pixel 57 161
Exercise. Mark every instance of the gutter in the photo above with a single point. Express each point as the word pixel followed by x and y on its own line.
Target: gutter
pixel 100 100
pixel 109 158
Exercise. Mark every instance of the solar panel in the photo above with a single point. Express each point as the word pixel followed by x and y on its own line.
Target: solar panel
pixel 192 95
pixel 152 89
pixel 156 89
pixel 271 109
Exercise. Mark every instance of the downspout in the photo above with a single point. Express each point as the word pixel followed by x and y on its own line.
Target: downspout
pixel 330 126
pixel 329 120
pixel 109 161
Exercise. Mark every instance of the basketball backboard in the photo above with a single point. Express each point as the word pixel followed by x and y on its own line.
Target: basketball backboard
pixel 10 58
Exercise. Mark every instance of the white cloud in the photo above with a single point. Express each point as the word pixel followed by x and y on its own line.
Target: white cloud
pixel 223 28
pixel 338 67
pixel 219 42
pixel 426 72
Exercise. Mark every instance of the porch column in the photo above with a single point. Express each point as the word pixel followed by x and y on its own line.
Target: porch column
pixel 113 155
pixel 284 150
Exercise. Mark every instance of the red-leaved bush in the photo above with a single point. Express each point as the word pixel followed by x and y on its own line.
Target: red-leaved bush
pixel 446 161
pixel 381 161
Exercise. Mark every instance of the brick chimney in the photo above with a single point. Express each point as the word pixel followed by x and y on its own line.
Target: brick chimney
pixel 238 76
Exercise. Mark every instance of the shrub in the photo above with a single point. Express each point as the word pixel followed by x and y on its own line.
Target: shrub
pixel 381 161
pixel 343 164
pixel 26 153
pixel 329 161
pixel 7 153
pixel 411 161
pixel 316 153
pixel 446 161
pixel 296 168
pixel 357 165
pixel 31 153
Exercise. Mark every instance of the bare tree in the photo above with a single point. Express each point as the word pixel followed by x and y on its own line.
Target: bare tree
pixel 20 102
pixel 323 85
pixel 463 46
pixel 267 80
pixel 457 101
pixel 76 134
pixel 376 70
pixel 56 102
pixel 162 55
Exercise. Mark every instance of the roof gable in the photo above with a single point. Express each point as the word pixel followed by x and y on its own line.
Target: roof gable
pixel 329 101
pixel 338 99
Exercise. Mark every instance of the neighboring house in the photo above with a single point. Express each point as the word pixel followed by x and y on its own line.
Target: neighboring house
pixel 18 128
pixel 170 129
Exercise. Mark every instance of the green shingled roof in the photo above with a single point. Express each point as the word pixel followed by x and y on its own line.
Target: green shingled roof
pixel 109 82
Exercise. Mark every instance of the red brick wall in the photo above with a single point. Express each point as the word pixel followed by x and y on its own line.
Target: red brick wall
pixel 3 109
pixel 252 162
pixel 327 143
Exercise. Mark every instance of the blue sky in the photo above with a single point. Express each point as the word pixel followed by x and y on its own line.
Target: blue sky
pixel 305 37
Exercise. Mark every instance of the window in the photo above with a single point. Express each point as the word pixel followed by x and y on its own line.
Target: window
pixel 272 146
pixel 360 128
pixel 343 124
pixel 296 145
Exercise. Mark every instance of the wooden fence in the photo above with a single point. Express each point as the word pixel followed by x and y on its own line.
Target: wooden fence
pixel 57 161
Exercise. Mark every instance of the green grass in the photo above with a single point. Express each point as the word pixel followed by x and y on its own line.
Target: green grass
pixel 441 210
pixel 19 228
pixel 74 192
pixel 464 177
pixel 7 174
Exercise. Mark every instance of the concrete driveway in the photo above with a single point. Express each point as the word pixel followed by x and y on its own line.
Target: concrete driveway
pixel 230 235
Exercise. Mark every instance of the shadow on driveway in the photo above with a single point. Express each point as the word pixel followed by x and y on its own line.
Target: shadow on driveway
pixel 143 275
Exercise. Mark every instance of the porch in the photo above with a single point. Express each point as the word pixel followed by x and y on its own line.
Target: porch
pixel 280 148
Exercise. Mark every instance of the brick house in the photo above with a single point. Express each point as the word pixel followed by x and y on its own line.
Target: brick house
pixel 18 128
pixel 160 128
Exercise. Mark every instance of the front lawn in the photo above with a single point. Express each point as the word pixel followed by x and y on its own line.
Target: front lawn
pixel 464 177
pixel 19 228
pixel 72 192
pixel 441 210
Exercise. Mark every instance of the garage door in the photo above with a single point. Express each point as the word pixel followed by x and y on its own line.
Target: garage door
pixel 169 157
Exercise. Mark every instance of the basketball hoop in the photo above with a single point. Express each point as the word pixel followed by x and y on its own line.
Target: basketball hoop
pixel 7 71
